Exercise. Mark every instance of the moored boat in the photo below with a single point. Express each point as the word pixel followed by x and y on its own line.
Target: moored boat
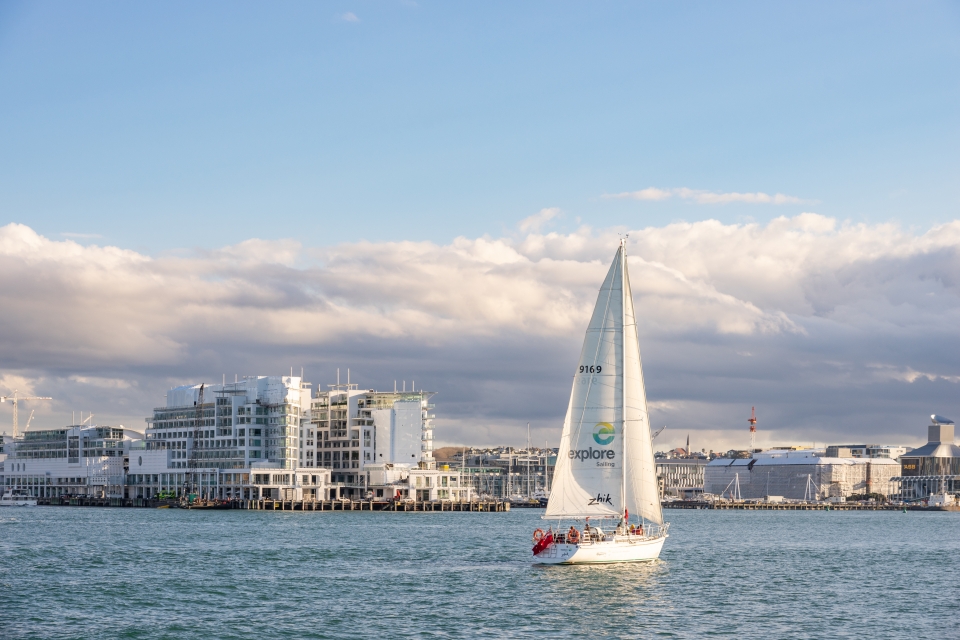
pixel 17 499
pixel 605 467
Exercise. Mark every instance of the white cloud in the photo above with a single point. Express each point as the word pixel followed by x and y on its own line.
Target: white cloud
pixel 349 16
pixel 909 374
pixel 493 323
pixel 23 385
pixel 537 220
pixel 103 383
pixel 650 193
pixel 706 197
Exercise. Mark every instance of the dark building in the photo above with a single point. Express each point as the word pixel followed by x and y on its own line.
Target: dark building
pixel 934 468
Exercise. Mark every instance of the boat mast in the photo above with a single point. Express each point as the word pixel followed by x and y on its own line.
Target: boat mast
pixel 623 376
pixel 193 480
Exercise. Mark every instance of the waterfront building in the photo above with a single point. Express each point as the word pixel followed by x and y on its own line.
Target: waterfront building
pixel 248 444
pixel 681 477
pixel 401 482
pixel 72 461
pixel 800 474
pixel 259 437
pixel 933 468
pixel 349 429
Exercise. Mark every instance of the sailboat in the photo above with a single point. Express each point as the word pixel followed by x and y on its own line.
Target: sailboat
pixel 606 476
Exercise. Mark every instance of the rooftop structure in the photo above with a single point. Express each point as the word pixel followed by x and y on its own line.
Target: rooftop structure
pixel 866 451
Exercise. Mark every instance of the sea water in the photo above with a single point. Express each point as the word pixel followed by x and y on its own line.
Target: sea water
pixel 137 573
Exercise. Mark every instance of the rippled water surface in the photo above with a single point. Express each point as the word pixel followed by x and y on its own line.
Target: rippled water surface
pixel 137 573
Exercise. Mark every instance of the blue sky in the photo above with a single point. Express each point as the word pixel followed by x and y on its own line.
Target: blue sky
pixel 433 191
pixel 163 126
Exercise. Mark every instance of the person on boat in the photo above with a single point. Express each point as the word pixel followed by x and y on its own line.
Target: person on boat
pixel 640 530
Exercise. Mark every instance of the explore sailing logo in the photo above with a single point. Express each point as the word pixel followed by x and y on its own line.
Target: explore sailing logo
pixel 603 433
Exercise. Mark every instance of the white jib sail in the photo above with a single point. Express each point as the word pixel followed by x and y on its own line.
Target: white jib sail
pixel 642 488
pixel 605 463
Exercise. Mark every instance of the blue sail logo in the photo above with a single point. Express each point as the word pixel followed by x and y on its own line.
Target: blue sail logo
pixel 603 433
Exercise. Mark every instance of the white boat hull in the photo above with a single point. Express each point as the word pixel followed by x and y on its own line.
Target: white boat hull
pixel 620 549
pixel 18 503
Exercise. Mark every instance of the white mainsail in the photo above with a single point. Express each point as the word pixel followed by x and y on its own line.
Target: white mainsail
pixel 605 465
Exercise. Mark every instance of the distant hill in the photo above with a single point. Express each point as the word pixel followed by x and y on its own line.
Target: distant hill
pixel 445 454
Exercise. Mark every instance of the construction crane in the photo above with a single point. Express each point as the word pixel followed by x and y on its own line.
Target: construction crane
pixel 753 429
pixel 192 476
pixel 16 399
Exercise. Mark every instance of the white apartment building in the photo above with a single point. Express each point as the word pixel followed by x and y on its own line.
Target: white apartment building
pixel 247 445
pixel 350 429
pixel 77 461
pixel 259 437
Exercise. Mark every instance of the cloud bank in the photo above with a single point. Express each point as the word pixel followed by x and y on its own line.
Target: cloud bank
pixel 835 331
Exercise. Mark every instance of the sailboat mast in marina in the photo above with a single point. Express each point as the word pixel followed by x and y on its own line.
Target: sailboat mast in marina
pixel 605 478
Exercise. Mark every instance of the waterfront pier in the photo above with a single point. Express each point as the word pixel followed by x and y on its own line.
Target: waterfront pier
pixel 743 505
pixel 411 506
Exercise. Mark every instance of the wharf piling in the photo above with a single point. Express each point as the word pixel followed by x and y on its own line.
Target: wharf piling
pixel 494 506
pixel 741 505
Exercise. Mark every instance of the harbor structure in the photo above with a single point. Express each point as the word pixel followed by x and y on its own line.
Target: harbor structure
pixel 799 474
pixel 933 468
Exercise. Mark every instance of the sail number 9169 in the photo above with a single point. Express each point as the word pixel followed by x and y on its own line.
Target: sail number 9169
pixel 591 369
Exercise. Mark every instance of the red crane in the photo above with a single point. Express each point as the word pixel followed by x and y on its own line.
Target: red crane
pixel 753 428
